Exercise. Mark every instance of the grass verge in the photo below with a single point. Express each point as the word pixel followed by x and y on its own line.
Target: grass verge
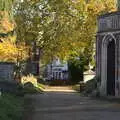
pixel 76 87
pixel 11 107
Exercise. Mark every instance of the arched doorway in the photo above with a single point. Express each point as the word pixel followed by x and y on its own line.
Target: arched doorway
pixel 111 68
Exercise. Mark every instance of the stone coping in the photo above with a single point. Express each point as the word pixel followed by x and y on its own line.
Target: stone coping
pixel 109 14
pixel 109 22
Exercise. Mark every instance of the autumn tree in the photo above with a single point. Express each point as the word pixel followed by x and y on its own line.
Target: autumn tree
pixel 6 17
pixel 9 51
pixel 60 28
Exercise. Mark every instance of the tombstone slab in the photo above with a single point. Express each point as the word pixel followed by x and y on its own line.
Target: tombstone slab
pixel 6 71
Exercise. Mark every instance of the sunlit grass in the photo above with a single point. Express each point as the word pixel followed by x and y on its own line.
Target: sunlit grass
pixel 76 87
pixel 41 86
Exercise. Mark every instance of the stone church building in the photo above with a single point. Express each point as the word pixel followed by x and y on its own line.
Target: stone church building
pixel 108 54
pixel 57 70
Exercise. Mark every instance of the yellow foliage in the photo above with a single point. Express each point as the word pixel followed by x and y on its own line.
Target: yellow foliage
pixel 98 6
pixel 9 52
pixel 6 25
pixel 29 78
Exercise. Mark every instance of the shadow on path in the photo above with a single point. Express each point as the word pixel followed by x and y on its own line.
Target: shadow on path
pixel 28 107
pixel 69 106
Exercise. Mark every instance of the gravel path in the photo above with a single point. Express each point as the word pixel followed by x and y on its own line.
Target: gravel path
pixel 69 106
pixel 59 89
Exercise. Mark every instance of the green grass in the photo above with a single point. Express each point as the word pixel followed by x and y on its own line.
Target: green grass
pixel 11 107
pixel 32 90
pixel 76 87
pixel 41 86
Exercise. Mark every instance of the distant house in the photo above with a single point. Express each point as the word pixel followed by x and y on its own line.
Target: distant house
pixel 57 70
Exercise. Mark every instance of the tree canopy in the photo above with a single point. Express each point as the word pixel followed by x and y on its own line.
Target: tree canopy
pixel 59 27
pixel 9 51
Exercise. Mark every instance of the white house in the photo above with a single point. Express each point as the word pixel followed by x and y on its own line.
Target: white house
pixel 57 70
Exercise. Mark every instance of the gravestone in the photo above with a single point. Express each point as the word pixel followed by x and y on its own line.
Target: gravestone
pixel 7 82
pixel 6 71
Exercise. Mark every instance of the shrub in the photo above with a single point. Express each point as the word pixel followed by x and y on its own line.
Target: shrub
pixel 30 85
pixel 29 79
pixel 29 88
pixel 76 69
pixel 90 86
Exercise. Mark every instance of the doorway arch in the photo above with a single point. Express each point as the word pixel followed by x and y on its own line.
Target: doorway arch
pixel 111 67
pixel 108 67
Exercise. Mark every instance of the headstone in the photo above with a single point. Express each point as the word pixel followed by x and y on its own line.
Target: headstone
pixel 6 71
pixel 7 82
